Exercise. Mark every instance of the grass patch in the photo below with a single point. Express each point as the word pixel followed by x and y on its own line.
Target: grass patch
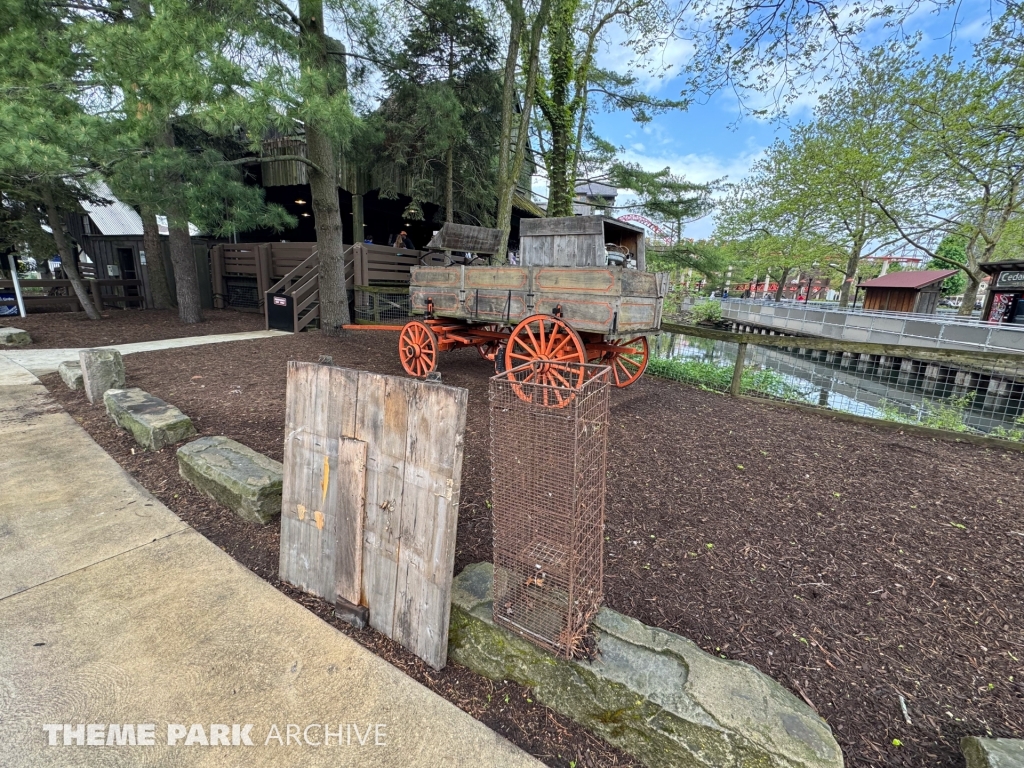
pixel 717 377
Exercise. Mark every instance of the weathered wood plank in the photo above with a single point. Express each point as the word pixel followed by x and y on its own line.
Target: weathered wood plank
pixel 349 514
pixel 319 526
pixel 426 558
pixel 381 421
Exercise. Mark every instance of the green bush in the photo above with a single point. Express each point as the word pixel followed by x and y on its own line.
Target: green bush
pixel 707 311
pixel 948 414
pixel 717 377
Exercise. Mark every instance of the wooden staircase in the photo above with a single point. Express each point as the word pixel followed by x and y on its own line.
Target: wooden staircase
pixel 293 302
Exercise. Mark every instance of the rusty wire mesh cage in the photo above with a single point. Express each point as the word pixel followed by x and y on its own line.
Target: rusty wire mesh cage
pixel 549 441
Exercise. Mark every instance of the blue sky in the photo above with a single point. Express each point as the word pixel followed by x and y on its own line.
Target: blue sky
pixel 713 140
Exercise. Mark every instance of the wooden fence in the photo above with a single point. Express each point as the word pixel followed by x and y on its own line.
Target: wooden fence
pixel 38 294
pixel 242 273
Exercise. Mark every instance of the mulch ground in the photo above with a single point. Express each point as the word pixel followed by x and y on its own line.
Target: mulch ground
pixel 54 330
pixel 853 564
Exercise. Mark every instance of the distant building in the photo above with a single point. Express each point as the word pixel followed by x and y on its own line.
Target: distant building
pixel 593 198
pixel 912 291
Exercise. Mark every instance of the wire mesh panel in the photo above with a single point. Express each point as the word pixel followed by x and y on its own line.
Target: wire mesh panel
pixel 549 439
pixel 241 292
pixel 969 393
pixel 388 305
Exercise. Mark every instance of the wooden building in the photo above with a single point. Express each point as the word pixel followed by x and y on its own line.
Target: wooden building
pixel 913 291
pixel 108 242
pixel 1004 302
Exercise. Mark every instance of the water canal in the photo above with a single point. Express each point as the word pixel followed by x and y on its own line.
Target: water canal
pixel 866 390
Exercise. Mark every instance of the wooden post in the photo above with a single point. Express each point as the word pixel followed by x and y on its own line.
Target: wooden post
pixel 97 298
pixel 357 219
pixel 264 269
pixel 217 265
pixel 737 371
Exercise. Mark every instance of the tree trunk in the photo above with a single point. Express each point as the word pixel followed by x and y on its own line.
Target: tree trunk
pixel 183 262
pixel 323 175
pixel 508 99
pixel 558 109
pixel 158 286
pixel 781 287
pixel 849 276
pixel 67 258
pixel 449 187
pixel 186 275
pixel 508 182
pixel 970 292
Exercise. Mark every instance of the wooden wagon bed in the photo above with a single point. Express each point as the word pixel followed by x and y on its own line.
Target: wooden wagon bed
pixel 607 300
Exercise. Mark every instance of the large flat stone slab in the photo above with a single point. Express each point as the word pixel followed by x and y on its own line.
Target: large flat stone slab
pixel 992 753
pixel 71 374
pixel 102 369
pixel 246 482
pixel 152 422
pixel 64 503
pixel 14 337
pixel 650 692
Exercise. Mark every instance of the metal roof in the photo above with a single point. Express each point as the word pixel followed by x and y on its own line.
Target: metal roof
pixel 918 278
pixel 114 218
pixel 596 189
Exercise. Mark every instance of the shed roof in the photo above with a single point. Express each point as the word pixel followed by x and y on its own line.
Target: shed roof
pixel 596 189
pixel 1001 266
pixel 114 218
pixel 918 278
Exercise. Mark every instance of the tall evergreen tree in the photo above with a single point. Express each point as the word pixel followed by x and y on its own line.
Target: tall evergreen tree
pixel 440 118
pixel 47 135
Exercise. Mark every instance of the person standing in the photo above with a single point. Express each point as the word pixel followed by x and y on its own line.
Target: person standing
pixel 402 240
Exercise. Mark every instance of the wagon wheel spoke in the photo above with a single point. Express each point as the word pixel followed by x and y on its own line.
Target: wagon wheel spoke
pixel 629 366
pixel 417 349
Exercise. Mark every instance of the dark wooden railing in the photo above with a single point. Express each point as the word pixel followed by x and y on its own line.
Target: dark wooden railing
pixel 60 292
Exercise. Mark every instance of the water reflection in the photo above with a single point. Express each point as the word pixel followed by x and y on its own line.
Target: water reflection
pixel 861 387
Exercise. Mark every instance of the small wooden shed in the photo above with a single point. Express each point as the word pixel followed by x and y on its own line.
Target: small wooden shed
pixel 577 241
pixel 912 291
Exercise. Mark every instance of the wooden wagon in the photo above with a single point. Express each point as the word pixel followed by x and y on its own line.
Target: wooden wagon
pixel 579 295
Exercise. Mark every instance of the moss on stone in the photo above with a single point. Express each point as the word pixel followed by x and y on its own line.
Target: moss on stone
pixel 652 693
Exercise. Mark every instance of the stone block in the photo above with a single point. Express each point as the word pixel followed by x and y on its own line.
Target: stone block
pixel 102 369
pixel 650 692
pixel 246 482
pixel 14 337
pixel 992 753
pixel 152 422
pixel 71 374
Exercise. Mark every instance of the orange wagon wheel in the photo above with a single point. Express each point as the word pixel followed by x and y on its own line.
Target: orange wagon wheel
pixel 489 349
pixel 628 366
pixel 417 349
pixel 543 338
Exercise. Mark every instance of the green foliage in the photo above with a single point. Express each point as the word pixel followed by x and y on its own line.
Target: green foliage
pixel 667 198
pixel 717 377
pixel 1014 434
pixel 948 414
pixel 952 250
pixel 442 102
pixel 708 311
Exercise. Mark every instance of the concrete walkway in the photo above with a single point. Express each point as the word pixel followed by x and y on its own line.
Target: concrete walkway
pixel 112 610
pixel 43 361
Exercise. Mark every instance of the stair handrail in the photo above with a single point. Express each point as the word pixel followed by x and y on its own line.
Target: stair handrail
pixel 304 265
